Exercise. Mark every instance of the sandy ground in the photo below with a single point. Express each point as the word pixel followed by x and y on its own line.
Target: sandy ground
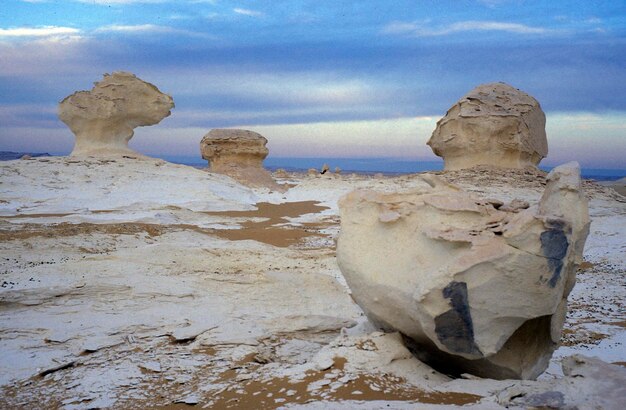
pixel 143 284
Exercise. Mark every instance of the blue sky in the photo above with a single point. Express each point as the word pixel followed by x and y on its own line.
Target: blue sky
pixel 319 78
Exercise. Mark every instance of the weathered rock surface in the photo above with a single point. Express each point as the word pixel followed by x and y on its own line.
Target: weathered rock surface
pixel 103 119
pixel 238 154
pixel 478 289
pixel 589 383
pixel 494 124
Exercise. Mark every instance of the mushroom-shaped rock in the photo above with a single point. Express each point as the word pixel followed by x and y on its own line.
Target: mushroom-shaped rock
pixel 470 286
pixel 238 154
pixel 104 118
pixel 494 124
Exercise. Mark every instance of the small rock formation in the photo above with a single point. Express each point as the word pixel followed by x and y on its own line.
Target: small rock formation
pixel 238 154
pixel 104 118
pixel 494 124
pixel 337 170
pixel 281 173
pixel 471 286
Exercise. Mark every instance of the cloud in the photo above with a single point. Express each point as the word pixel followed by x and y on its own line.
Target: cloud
pixel 46 31
pixel 248 12
pixel 150 29
pixel 396 137
pixel 421 30
pixel 110 2
pixel 140 28
pixel 492 3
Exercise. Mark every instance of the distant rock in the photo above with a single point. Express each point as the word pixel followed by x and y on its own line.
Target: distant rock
pixel 281 173
pixel 238 154
pixel 619 185
pixel 10 155
pixel 494 124
pixel 103 119
pixel 477 289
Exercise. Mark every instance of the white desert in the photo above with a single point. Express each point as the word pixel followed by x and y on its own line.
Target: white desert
pixel 131 282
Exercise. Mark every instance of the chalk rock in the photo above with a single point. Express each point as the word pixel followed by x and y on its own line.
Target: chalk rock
pixel 494 124
pixel 238 154
pixel 103 119
pixel 475 288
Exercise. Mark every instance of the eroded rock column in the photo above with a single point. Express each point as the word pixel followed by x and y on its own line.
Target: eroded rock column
pixel 494 124
pixel 238 154
pixel 103 119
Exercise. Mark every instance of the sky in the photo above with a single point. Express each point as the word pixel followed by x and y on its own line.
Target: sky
pixel 319 78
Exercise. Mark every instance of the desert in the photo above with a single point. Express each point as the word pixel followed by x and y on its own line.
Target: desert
pixel 137 283
pixel 210 204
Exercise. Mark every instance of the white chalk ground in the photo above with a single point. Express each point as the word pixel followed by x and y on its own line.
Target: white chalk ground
pixel 117 293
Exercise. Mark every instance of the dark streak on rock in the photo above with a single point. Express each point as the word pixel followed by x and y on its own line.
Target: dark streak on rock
pixel 554 246
pixel 454 327
pixel 56 369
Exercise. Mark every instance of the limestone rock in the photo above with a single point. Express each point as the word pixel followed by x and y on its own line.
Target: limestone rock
pixel 473 287
pixel 494 124
pixel 103 119
pixel 588 383
pixel 281 173
pixel 238 154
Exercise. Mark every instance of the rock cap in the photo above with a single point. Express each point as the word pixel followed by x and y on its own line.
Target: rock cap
pixel 493 124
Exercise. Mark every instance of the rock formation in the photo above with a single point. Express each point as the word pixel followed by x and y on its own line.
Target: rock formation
pixel 494 124
pixel 104 118
pixel 470 285
pixel 238 154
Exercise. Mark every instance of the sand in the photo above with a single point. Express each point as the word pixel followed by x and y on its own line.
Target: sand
pixel 138 283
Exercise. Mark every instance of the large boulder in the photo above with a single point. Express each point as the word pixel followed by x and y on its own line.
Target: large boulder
pixel 238 154
pixel 494 124
pixel 103 119
pixel 474 288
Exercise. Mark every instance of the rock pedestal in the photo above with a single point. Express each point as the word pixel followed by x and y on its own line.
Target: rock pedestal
pixel 238 154
pixel 104 118
pixel 494 124
pixel 474 288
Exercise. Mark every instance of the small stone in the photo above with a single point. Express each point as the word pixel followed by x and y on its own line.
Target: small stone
pixel 191 400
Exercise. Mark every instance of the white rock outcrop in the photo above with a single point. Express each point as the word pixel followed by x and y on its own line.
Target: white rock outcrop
pixel 494 124
pixel 103 119
pixel 238 154
pixel 476 289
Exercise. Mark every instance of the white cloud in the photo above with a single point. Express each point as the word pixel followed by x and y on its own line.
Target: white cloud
pixel 140 28
pixel 149 28
pixel 492 3
pixel 298 88
pixel 248 12
pixel 46 31
pixel 422 30
pixel 109 2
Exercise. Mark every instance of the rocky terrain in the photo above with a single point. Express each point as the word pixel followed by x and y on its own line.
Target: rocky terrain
pixel 136 283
